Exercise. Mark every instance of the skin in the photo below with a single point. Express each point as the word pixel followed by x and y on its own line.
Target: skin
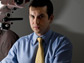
pixel 39 20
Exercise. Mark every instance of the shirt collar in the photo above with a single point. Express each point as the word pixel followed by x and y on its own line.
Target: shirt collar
pixel 45 37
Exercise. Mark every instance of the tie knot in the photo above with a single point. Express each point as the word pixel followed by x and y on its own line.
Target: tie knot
pixel 39 40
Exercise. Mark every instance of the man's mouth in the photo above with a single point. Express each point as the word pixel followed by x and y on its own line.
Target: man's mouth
pixel 36 27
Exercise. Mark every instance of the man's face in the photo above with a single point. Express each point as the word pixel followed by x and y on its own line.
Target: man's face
pixel 39 20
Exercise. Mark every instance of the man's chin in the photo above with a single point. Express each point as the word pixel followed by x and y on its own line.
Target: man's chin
pixel 37 32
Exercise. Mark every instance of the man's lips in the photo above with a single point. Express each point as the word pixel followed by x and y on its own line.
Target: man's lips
pixel 36 27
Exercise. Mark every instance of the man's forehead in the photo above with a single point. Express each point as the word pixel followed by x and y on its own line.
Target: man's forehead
pixel 38 9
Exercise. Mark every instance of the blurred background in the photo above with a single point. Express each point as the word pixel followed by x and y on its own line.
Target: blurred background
pixel 68 20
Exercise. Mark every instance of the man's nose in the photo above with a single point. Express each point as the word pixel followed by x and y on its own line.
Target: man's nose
pixel 37 21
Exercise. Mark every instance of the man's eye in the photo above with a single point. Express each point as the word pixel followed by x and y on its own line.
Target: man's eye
pixel 32 16
pixel 41 16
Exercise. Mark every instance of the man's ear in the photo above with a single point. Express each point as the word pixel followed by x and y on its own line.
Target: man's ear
pixel 51 18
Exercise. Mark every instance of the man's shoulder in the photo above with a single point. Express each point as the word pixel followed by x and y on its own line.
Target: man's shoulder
pixel 59 40
pixel 60 37
pixel 26 37
pixel 57 35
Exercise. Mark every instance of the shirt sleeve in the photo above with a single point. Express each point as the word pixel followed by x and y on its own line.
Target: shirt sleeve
pixel 11 57
pixel 64 51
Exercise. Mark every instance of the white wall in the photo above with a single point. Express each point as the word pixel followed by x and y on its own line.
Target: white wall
pixel 21 27
pixel 68 20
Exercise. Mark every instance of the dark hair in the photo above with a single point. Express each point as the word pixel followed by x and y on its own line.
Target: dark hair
pixel 41 3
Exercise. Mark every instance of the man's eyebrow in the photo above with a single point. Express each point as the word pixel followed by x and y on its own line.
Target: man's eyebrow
pixel 41 14
pixel 38 15
pixel 31 14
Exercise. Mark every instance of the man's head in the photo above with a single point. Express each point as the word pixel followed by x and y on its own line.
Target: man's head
pixel 40 16
pixel 42 3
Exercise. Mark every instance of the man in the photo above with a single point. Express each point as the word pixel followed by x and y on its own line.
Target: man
pixel 57 48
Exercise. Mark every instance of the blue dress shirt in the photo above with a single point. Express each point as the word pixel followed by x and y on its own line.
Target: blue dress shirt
pixel 57 49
